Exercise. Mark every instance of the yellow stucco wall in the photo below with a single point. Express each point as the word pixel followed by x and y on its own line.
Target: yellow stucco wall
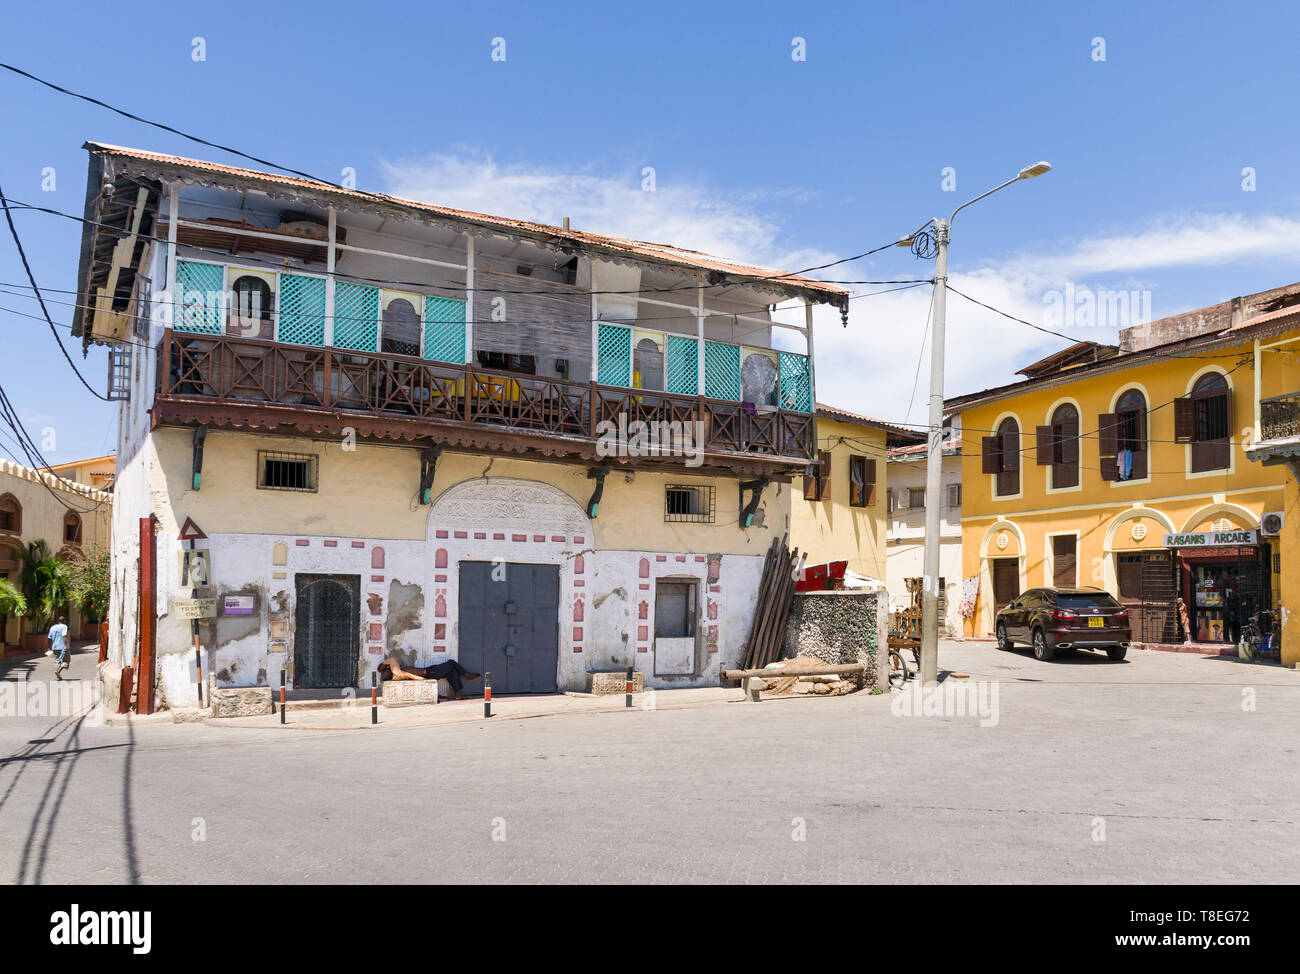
pixel 370 492
pixel 43 511
pixel 1104 515
pixel 832 530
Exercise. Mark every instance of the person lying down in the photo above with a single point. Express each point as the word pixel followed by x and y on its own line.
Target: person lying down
pixel 451 671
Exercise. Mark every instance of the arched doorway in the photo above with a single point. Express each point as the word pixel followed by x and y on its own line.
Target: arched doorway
pixel 327 631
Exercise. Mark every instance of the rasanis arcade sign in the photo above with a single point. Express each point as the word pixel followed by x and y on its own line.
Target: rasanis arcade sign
pixel 1211 539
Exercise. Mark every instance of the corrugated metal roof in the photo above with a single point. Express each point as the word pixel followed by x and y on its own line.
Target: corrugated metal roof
pixel 661 253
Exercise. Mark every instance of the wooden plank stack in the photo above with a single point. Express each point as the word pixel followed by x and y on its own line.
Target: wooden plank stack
pixel 772 611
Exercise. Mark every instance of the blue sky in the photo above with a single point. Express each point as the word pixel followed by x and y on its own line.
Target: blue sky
pixel 756 155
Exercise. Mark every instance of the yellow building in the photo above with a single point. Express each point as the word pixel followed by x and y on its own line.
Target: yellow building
pixel 1278 447
pixel 1129 470
pixel 841 516
pixel 72 519
pixel 97 472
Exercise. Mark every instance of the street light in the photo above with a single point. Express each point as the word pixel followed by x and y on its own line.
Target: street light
pixel 934 456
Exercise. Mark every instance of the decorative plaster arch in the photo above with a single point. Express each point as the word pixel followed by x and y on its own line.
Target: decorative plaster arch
pixel 1110 557
pixel 1001 524
pixel 1221 508
pixel 1205 370
pixel 986 600
pixel 1133 513
pixel 1129 387
pixel 507 504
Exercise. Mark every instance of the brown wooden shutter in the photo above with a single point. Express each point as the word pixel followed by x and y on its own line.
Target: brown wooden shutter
pixel 1064 558
pixel 1184 420
pixel 1142 427
pixel 1045 445
pixel 1108 434
pixel 1011 450
pixel 990 453
pixel 1070 445
pixel 823 475
pixel 1140 468
pixel 1109 468
pixel 809 487
pixel 870 478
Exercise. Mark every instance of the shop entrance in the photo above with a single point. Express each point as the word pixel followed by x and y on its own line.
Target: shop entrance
pixel 1223 588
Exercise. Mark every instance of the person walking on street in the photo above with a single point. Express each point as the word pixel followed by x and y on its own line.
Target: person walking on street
pixel 58 637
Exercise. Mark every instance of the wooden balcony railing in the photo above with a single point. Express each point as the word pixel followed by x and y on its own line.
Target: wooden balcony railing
pixel 245 371
pixel 1280 416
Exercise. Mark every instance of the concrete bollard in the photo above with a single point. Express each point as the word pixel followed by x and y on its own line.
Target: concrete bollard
pixel 753 688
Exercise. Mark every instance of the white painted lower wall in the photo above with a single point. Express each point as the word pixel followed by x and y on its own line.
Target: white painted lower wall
pixel 606 611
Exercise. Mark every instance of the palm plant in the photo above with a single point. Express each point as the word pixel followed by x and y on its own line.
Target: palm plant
pixel 12 600
pixel 47 584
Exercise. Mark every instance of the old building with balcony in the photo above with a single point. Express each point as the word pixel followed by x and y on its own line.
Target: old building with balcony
pixel 399 429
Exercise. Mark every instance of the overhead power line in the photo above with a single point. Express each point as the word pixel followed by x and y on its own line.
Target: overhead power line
pixel 22 254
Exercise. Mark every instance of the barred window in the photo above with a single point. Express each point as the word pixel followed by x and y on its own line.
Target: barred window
pixel 286 471
pixel 689 503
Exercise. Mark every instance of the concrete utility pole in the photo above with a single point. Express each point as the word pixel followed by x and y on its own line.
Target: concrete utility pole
pixel 934 453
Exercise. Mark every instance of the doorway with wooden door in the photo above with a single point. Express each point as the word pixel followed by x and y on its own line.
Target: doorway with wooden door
pixel 1006 581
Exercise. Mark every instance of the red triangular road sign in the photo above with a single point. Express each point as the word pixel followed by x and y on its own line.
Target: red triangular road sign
pixel 191 531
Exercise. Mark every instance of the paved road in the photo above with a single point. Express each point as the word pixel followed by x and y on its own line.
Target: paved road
pixel 1188 785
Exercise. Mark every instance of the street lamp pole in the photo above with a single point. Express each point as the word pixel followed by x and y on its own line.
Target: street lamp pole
pixel 934 454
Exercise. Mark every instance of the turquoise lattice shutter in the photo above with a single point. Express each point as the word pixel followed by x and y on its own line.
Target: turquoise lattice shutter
pixel 356 316
pixel 614 356
pixel 302 310
pixel 200 289
pixel 796 382
pixel 682 366
pixel 444 329
pixel 722 371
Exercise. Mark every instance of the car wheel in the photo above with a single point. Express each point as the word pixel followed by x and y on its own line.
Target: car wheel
pixel 1116 653
pixel 1004 643
pixel 1042 651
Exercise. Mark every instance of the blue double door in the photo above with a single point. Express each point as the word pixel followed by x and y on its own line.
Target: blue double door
pixel 509 624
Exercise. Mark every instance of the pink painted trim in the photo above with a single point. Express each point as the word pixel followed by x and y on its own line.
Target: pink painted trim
pixel 331 544
pixel 480 535
pixel 376 578
pixel 358 544
pixel 302 542
pixel 461 534
pixel 557 537
pixel 518 537
pixel 642 649
pixel 539 537
pixel 498 536
pixel 440 534
pixel 579 539
pixel 578 583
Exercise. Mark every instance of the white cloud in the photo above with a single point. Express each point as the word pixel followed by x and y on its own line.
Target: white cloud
pixel 872 366
pixel 683 214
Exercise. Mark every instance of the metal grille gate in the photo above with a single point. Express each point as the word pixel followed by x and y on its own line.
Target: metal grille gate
pixel 327 634
pixel 1148 588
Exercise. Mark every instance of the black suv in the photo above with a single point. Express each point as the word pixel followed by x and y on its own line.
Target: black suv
pixel 1049 619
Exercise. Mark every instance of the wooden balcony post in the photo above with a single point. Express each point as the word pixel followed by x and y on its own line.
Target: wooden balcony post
pixel 165 371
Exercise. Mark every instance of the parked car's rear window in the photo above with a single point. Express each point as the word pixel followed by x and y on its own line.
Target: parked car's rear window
pixel 1102 601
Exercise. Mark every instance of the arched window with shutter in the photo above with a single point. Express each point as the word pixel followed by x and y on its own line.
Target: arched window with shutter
pixel 1058 447
pixel 1000 455
pixel 11 515
pixel 72 528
